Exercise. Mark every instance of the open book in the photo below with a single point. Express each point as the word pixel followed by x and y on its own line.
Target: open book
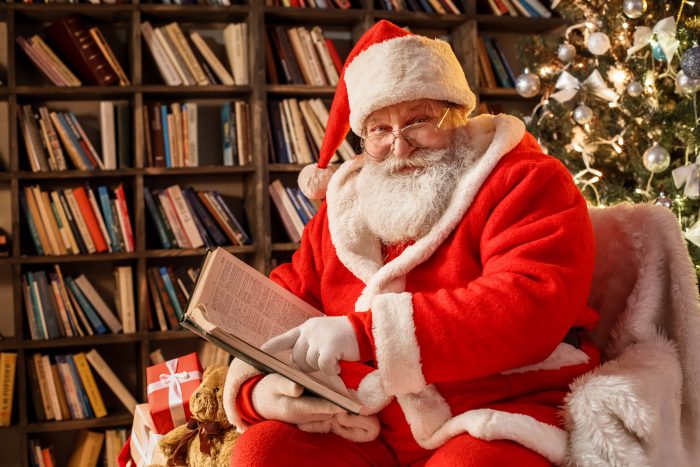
pixel 238 309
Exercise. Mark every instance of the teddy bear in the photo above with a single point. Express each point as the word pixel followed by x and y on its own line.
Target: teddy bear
pixel 207 439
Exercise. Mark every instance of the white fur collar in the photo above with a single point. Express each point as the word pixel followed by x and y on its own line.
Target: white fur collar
pixel 491 137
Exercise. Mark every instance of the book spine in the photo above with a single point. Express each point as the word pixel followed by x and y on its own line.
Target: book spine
pixel 498 66
pixel 73 39
pixel 186 53
pixel 155 215
pixel 172 295
pixel 209 224
pixel 49 313
pixel 98 215
pixel 56 63
pixel 227 144
pixel 67 302
pixel 166 136
pixel 82 393
pixel 125 292
pixel 79 221
pixel 74 126
pixel 34 389
pixel 30 223
pixel 167 70
pixel 169 212
pixel 155 299
pixel 34 332
pixel 51 387
pixel 53 140
pixel 107 214
pixel 77 152
pixel 41 62
pixel 43 386
pixel 64 373
pixel 106 50
pixel 62 312
pixel 86 307
pixel 8 364
pixel 35 299
pixel 93 227
pixel 184 216
pixel 124 219
pixel 157 280
pixel 98 304
pixel 88 383
pixel 193 136
pixel 231 217
pixel 111 379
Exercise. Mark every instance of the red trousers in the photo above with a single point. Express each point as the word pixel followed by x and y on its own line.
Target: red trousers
pixel 275 443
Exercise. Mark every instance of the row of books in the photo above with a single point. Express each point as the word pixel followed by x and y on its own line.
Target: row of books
pixel 8 369
pixel 53 138
pixel 329 4
pixel 85 48
pixel 295 209
pixel 63 306
pixel 441 7
pixel 193 219
pixel 180 64
pixel 170 290
pixel 297 129
pixel 172 134
pixel 526 8
pixel 78 220
pixel 494 69
pixel 297 55
pixel 87 446
pixel 63 387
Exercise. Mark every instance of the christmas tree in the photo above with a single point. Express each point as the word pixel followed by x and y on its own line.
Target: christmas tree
pixel 619 102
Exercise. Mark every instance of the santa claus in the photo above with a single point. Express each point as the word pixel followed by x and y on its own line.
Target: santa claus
pixel 453 261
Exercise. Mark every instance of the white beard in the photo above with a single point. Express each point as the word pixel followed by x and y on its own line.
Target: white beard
pixel 399 206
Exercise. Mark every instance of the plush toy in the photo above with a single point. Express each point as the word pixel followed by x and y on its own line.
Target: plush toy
pixel 207 439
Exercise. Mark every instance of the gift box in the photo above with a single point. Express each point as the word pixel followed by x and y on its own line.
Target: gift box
pixel 170 385
pixel 143 443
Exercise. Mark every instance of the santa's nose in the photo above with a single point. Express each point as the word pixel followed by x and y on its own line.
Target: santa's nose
pixel 402 150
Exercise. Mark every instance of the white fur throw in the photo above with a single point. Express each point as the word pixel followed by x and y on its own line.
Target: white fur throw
pixel 642 407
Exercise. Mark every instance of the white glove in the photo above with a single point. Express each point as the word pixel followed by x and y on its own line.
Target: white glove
pixel 318 344
pixel 278 398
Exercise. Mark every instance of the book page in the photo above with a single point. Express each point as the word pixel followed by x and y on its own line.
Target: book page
pixel 244 302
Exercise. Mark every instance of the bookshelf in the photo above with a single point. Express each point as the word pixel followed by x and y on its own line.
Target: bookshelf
pixel 128 354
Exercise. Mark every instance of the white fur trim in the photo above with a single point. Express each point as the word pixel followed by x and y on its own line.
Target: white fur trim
pixel 313 181
pixel 564 355
pixel 644 284
pixel 432 425
pixel 404 69
pixel 398 355
pixel 371 394
pixel 238 373
pixel 491 137
pixel 627 411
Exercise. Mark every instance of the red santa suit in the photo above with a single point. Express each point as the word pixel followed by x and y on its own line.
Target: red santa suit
pixel 463 330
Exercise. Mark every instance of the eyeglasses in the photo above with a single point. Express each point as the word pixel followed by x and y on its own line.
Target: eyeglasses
pixel 379 143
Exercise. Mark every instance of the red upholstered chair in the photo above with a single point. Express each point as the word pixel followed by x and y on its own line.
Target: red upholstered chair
pixel 642 406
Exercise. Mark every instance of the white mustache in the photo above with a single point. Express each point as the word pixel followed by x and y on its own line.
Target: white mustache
pixel 419 159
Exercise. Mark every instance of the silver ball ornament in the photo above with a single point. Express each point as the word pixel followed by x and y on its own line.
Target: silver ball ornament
pixel 566 52
pixel 690 62
pixel 664 201
pixel 598 43
pixel 634 8
pixel 656 159
pixel 635 89
pixel 527 84
pixel 685 84
pixel 583 114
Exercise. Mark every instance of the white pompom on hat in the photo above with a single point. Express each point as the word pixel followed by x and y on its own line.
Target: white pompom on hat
pixel 387 66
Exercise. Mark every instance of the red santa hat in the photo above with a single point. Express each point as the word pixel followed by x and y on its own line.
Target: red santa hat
pixel 387 66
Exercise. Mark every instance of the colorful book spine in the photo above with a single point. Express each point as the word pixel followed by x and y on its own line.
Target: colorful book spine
pixel 85 306
pixel 157 219
pixel 170 288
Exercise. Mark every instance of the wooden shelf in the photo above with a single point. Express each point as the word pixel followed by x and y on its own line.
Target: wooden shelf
pixel 23 84
pixel 180 92
pixel 194 13
pixel 285 246
pixel 312 16
pixel 422 20
pixel 120 419
pixel 50 92
pixel 71 174
pixel 285 167
pixel 89 258
pixel 103 339
pixel 293 90
pixel 206 170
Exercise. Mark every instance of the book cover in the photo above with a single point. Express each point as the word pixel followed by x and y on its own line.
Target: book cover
pixel 219 321
pixel 98 303
pixel 73 39
pixel 89 385
pixel 86 449
pixel 8 364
